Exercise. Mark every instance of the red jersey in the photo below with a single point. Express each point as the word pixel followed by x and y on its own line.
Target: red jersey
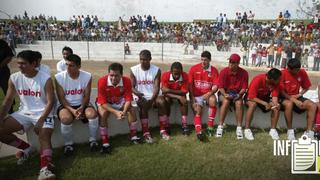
pixel 180 84
pixel 202 80
pixel 233 82
pixel 107 93
pixel 291 83
pixel 259 89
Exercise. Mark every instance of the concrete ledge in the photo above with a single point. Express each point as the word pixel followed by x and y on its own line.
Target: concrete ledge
pixel 81 134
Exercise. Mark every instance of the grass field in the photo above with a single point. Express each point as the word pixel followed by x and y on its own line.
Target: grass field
pixel 180 158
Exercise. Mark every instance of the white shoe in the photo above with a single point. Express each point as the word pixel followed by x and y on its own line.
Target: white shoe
pixel 45 173
pixel 248 134
pixel 239 132
pixel 310 134
pixel 164 135
pixel 219 131
pixel 24 155
pixel 290 134
pixel 274 134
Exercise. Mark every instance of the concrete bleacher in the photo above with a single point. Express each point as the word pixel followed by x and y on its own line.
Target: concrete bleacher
pixel 117 127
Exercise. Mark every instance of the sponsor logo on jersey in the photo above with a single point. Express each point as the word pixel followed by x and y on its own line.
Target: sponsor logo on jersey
pixel 74 91
pixel 29 92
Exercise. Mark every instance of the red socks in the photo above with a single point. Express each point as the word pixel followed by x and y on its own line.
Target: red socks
pixel 212 114
pixel 133 128
pixel 45 158
pixel 145 126
pixel 197 123
pixel 20 144
pixel 104 135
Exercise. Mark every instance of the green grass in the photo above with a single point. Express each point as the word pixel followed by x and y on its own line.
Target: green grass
pixel 179 158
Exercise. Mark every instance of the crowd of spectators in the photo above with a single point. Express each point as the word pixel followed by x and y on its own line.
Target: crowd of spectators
pixel 242 31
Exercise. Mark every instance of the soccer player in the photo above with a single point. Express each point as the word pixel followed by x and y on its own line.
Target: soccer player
pixel 145 78
pixel 41 67
pixel 61 65
pixel 317 120
pixel 233 83
pixel 36 93
pixel 263 92
pixel 73 88
pixel 203 84
pixel 174 86
pixel 115 96
pixel 295 83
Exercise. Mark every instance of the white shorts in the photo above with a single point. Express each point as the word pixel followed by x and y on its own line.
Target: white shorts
pixel 119 105
pixel 27 120
pixel 200 100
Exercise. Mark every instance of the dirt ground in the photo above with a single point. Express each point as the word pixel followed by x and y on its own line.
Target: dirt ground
pixel 99 68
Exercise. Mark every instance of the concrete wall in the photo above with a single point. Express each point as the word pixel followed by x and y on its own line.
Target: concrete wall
pixel 113 51
pixel 116 127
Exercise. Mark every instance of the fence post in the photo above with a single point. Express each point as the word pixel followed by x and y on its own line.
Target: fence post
pixel 124 52
pixel 52 54
pixel 88 49
pixel 162 49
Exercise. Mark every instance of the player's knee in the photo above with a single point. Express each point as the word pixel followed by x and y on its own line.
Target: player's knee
pixel 90 113
pixel 161 101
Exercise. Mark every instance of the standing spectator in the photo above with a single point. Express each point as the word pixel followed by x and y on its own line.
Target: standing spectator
pixel 316 59
pixel 270 55
pixel 304 58
pixel 286 16
pixel 259 55
pixel 61 65
pixel 278 54
pixel 251 17
pixel 316 20
pixel 245 54
pixel 254 55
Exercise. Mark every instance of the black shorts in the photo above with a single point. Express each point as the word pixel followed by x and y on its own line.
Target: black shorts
pixel 84 119
pixel 295 108
pixel 262 107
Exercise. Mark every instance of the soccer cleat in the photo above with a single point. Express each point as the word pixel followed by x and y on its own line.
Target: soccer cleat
pixel 164 135
pixel 23 156
pixel 274 134
pixel 135 140
pixel 290 134
pixel 185 131
pixel 46 174
pixel 93 146
pixel 219 131
pixel 201 136
pixel 309 133
pixel 106 149
pixel 209 131
pixel 248 134
pixel 68 150
pixel 239 132
pixel 147 138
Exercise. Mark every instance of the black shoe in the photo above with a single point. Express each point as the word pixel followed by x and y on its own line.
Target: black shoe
pixel 68 150
pixel 186 131
pixel 135 140
pixel 93 146
pixel 106 149
pixel 201 136
pixel 317 135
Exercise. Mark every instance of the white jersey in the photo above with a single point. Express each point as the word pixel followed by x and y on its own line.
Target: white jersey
pixel 44 68
pixel 73 88
pixel 31 92
pixel 145 79
pixel 61 66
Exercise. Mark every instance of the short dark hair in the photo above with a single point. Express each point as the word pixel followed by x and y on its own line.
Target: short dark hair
pixel 116 67
pixel 66 48
pixel 146 53
pixel 37 55
pixel 274 74
pixel 27 55
pixel 5 50
pixel 74 58
pixel 294 63
pixel 206 54
pixel 176 65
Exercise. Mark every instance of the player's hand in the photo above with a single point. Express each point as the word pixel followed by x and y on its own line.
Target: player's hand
pixel 183 100
pixel 119 115
pixel 299 104
pixel 275 106
pixel 79 112
pixel 206 96
pixel 267 106
pixel 296 96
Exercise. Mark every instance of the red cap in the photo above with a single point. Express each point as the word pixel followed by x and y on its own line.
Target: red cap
pixel 234 58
